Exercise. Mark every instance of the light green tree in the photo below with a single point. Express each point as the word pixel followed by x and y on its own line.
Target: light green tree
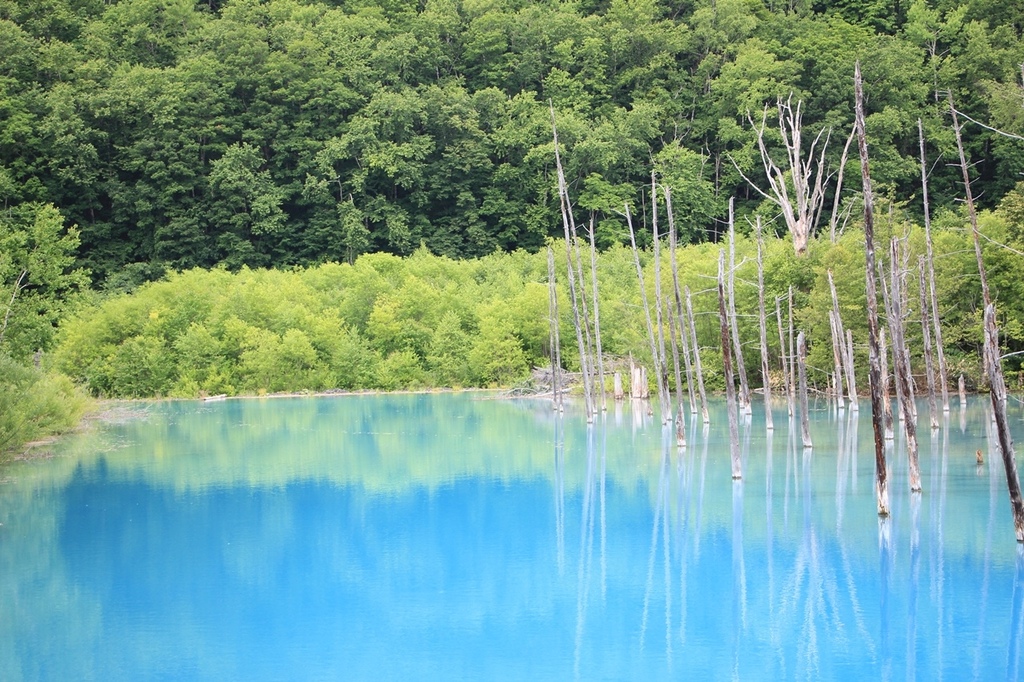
pixel 38 278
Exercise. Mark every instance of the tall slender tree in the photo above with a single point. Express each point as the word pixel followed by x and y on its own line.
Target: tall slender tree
pixel 655 357
pixel 930 255
pixel 874 363
pixel 993 359
pixel 763 328
pixel 574 297
pixel 730 388
pixel 737 345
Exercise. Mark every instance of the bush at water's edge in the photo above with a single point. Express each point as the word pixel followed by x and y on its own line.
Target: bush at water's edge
pixel 35 404
pixel 426 321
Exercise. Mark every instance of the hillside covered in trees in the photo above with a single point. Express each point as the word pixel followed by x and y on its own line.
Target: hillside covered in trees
pixel 177 134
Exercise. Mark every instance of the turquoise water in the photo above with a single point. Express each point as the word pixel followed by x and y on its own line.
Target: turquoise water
pixel 453 537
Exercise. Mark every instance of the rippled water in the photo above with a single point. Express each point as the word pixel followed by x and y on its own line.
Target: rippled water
pixel 454 537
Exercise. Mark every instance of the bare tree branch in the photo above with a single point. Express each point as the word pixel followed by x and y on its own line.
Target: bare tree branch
pixel 987 127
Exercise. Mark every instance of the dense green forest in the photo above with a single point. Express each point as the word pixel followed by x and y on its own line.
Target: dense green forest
pixel 142 139
pixel 179 134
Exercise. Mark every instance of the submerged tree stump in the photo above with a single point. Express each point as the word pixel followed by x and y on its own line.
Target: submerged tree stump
pixel 638 387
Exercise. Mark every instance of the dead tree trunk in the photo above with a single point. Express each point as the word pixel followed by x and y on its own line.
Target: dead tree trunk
pixel 763 328
pixel 785 360
pixel 962 389
pixel 588 337
pixel 851 375
pixel 936 320
pixel 926 339
pixel 556 355
pixel 887 403
pixel 843 347
pixel 597 319
pixel 617 391
pixel 563 194
pixel 696 358
pixel 744 395
pixel 889 315
pixel 673 335
pixel 666 411
pixel 805 416
pixel 837 199
pixel 874 366
pixel 997 393
pixel 585 314
pixel 835 323
pixel 684 345
pixel 835 383
pixel 684 349
pixel 730 388
pixel 902 366
pixel 792 349
pixel 901 274
pixel 638 386
pixel 647 315
pixel 993 359
pixel 897 321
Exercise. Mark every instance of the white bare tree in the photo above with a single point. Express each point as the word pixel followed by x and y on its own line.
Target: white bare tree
pixel 798 188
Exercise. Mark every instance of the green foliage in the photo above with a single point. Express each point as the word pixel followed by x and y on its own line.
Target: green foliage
pixel 448 352
pixel 179 134
pixel 34 404
pixel 381 322
pixel 244 187
pixel 497 356
pixel 400 370
pixel 38 280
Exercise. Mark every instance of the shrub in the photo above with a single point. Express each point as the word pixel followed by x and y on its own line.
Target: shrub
pixel 34 404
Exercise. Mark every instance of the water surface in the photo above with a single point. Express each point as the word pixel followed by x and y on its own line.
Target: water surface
pixel 453 537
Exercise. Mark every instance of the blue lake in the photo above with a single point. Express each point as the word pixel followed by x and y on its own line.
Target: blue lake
pixel 455 537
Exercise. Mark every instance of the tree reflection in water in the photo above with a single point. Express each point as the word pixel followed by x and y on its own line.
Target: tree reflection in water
pixel 439 510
